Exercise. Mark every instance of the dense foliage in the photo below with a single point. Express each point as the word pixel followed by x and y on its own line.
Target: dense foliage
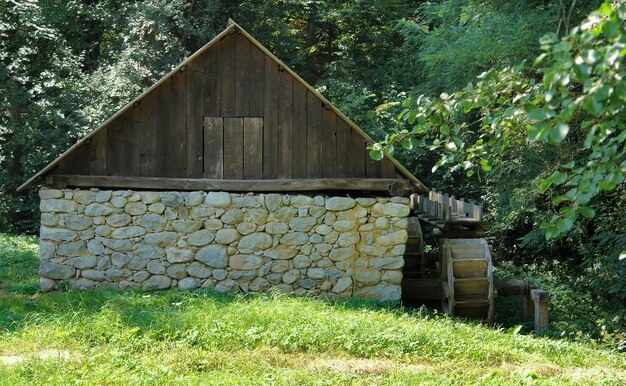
pixel 66 66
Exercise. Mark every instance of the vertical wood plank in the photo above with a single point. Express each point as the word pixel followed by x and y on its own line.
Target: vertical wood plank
pixel 257 81
pixel 343 147
pixel 178 128
pixel 388 168
pixel 252 148
pixel 329 143
pixel 211 81
pixel 373 169
pixel 314 136
pixel 357 157
pixel 114 146
pixel 270 122
pixel 130 139
pixel 98 153
pixel 148 136
pixel 233 148
pixel 77 162
pixel 193 151
pixel 242 76
pixel 227 76
pixel 299 138
pixel 213 147
pixel 285 125
pixel 163 133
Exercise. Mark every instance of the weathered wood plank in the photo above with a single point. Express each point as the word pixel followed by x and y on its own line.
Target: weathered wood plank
pixel 270 122
pixel 114 147
pixel 252 148
pixel 214 147
pixel 257 81
pixel 285 125
pixel 193 151
pixel 148 136
pixel 329 143
pixel 178 128
pixel 343 148
pixel 286 185
pixel 227 76
pixel 211 84
pixel 233 148
pixel 299 137
pixel 77 162
pixel 357 156
pixel 373 169
pixel 131 141
pixel 242 76
pixel 98 153
pixel 388 169
pixel 314 136
pixel 164 117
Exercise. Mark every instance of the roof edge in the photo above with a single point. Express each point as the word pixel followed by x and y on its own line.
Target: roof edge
pixel 231 25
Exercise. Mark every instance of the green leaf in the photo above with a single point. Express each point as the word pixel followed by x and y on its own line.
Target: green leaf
pixel 610 28
pixel 537 115
pixel 376 155
pixel 558 132
pixel 587 212
pixel 605 8
pixel 564 225
pixel 559 178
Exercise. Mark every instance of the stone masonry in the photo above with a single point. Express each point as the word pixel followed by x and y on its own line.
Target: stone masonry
pixel 327 246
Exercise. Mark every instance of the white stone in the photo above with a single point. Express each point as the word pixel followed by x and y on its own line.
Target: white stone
pixel 280 266
pixel 193 199
pixel 348 238
pixel 162 239
pixel 177 255
pixel 366 201
pixel 103 196
pixel 291 276
pixel 213 224
pixel 281 252
pixel 188 283
pixel 46 250
pixel 128 232
pixel 201 238
pixel 214 256
pixel 98 210
pixel 245 262
pixel 302 202
pixel 316 273
pixel 219 274
pixel 157 282
pixel 340 203
pixel 260 285
pixel 58 205
pixel 344 225
pixel 155 267
pixel 135 208
pixel 273 202
pixel 71 249
pixel 294 238
pixel 227 236
pixel 49 219
pixel 342 285
pixel 246 227
pixel 255 242
pixel 78 223
pixel 93 274
pixel 186 226
pixel 118 202
pixel 387 262
pixel 218 199
pixel 368 276
pixel 57 234
pixel 232 216
pixel 55 271
pixel 172 199
pixel 45 193
pixel 199 270
pixel 302 224
pixel 393 277
pixel 339 254
pixel 149 197
pixel 176 271
pixel 157 208
pixel 382 292
pixel 149 251
pixel 152 222
pixel 84 197
pixel 391 209
pixel 276 228
pixel 394 238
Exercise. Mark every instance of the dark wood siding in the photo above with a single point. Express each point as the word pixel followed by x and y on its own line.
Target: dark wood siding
pixel 231 113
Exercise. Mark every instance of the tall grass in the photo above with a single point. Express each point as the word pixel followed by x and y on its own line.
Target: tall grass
pixel 172 337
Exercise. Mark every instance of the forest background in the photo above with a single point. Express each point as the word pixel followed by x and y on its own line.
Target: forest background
pixel 65 66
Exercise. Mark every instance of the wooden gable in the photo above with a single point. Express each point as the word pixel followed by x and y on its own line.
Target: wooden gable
pixel 232 112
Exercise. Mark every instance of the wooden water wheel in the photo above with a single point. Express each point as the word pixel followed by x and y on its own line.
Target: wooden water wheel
pixel 467 278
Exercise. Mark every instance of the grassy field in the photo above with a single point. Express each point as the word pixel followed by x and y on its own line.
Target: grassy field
pixel 120 338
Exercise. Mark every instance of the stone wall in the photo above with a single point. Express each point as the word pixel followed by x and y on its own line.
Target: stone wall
pixel 329 246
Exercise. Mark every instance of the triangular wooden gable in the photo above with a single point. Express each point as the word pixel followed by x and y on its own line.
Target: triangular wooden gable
pixel 234 112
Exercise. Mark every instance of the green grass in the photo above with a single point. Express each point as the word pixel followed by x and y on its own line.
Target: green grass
pixel 114 337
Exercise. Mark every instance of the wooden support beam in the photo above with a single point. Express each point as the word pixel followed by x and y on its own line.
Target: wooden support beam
pixel 541 299
pixel 389 185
